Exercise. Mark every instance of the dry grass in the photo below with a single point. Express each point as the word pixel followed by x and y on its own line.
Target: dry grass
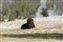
pixel 47 30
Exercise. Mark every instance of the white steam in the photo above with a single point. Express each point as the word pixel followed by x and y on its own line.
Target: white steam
pixel 51 11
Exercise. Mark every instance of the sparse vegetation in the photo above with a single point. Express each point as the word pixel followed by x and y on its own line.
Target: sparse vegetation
pixel 25 8
pixel 44 13
pixel 11 18
pixel 1 18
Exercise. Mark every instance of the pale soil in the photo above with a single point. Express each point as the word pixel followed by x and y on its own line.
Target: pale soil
pixel 46 26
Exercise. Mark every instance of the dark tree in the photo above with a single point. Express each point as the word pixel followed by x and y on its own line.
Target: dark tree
pixel 44 12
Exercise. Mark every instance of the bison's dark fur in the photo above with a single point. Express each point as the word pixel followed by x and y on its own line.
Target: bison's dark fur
pixel 29 24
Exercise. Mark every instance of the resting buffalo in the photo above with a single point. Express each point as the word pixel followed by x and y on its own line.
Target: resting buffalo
pixel 29 24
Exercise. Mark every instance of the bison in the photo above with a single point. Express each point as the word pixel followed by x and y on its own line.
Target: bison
pixel 29 24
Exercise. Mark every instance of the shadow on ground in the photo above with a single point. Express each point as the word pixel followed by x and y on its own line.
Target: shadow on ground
pixel 36 36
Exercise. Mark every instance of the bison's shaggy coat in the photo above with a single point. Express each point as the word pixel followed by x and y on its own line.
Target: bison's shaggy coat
pixel 29 24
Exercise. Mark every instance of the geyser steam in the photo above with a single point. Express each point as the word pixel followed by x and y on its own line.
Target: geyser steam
pixel 51 11
pixel 42 5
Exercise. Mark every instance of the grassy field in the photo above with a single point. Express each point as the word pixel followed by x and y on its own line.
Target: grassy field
pixel 46 30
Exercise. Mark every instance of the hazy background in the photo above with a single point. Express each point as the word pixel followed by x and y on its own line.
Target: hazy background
pixel 17 9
